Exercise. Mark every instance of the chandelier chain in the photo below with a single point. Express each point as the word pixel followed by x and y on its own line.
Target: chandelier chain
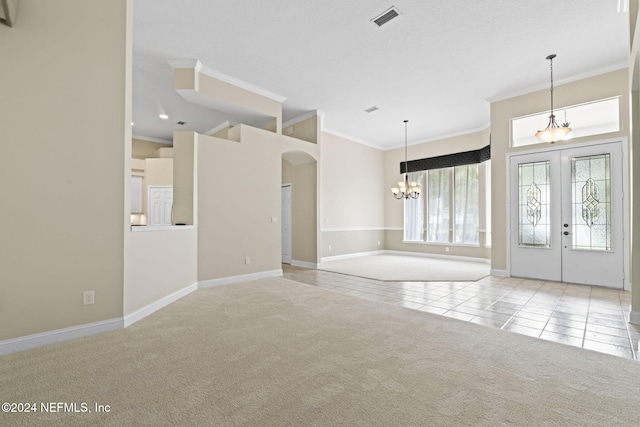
pixel 551 61
pixel 406 162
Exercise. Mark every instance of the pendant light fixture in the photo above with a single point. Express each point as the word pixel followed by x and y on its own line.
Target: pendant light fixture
pixel 406 189
pixel 553 132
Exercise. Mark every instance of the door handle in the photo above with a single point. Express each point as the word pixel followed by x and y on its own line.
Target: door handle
pixel 566 225
pixel 566 233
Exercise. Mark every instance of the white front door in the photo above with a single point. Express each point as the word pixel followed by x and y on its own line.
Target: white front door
pixel 566 215
pixel 286 224
pixel 160 205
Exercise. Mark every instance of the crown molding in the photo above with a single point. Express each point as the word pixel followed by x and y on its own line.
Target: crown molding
pixel 150 139
pixel 441 137
pixel 302 117
pixel 352 138
pixel 199 67
pixel 221 126
pixel 185 63
pixel 575 78
pixel 9 12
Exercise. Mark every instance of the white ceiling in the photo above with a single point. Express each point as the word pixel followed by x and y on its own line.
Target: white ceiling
pixel 437 64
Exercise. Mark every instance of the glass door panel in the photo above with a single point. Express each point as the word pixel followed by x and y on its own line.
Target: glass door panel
pixel 591 202
pixel 535 216
pixel 534 203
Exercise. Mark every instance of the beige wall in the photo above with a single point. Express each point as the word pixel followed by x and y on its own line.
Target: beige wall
pixel 159 263
pixel 394 209
pixel 188 79
pixel 306 130
pixel 303 180
pixel 64 211
pixel 142 149
pixel 599 87
pixel 185 183
pixel 352 194
pixel 238 194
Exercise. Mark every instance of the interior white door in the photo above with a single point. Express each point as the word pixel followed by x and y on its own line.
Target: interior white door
pixel 160 205
pixel 566 215
pixel 286 224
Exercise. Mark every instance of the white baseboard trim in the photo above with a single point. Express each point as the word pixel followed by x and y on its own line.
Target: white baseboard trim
pixel 442 256
pixel 145 311
pixel 499 273
pixel 59 335
pixel 305 264
pixel 634 317
pixel 241 278
pixel 353 255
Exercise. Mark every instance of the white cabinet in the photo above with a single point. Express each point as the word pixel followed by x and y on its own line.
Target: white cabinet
pixel 136 194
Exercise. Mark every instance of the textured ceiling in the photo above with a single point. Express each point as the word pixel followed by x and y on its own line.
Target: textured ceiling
pixel 435 65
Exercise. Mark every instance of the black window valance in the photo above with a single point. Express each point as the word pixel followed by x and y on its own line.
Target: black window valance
pixel 448 160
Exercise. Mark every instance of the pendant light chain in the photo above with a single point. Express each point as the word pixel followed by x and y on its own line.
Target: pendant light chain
pixel 406 162
pixel 551 61
pixel 406 189
pixel 553 132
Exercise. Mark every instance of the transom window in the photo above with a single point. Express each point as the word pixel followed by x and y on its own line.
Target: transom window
pixel 592 118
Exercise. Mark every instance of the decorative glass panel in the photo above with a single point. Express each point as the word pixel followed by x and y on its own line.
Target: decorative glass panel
pixel 591 202
pixel 465 208
pixel 533 205
pixel 438 205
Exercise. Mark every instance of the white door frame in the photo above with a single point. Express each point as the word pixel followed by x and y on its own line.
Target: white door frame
pixel 288 260
pixel 624 143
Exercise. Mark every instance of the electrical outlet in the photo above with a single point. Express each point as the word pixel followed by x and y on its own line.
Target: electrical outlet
pixel 446 249
pixel 88 297
pixel 378 242
pixel 247 260
pixel 329 247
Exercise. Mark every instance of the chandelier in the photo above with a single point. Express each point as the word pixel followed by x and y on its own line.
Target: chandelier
pixel 553 132
pixel 406 189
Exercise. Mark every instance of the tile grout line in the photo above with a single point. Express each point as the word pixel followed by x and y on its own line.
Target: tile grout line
pixel 519 309
pixel 584 334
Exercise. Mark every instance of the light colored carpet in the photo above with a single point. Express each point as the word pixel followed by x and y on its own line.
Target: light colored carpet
pixel 399 268
pixel 274 352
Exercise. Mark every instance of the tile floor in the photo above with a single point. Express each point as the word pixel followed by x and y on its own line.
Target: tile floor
pixel 590 317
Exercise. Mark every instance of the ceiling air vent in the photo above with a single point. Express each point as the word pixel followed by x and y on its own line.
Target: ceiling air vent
pixel 181 123
pixel 386 16
pixel 371 109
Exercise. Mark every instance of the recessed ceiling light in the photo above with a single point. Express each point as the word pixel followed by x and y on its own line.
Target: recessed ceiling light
pixel 163 116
